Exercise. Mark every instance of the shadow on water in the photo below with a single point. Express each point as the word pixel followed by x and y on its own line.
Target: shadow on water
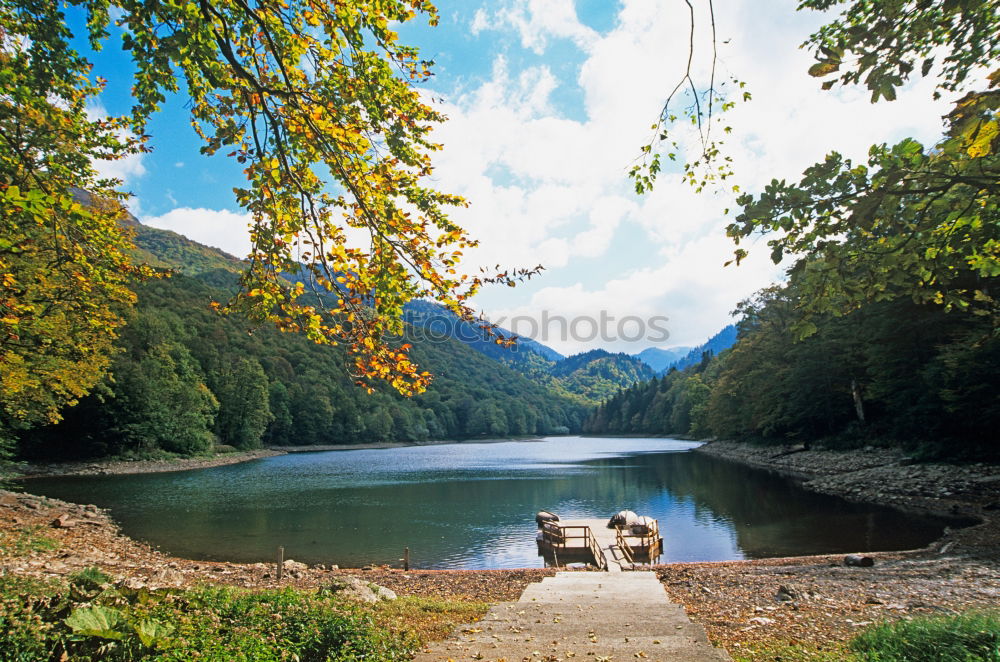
pixel 472 505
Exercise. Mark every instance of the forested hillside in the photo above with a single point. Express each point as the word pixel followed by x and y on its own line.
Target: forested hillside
pixel 587 377
pixel 186 379
pixel 892 372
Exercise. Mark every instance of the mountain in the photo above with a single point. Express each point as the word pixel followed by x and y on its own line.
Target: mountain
pixel 659 359
pixel 585 379
pixel 597 375
pixel 722 340
pixel 441 322
pixel 186 379
pixel 588 378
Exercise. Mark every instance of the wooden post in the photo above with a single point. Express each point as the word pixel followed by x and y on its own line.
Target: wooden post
pixel 406 558
pixel 281 562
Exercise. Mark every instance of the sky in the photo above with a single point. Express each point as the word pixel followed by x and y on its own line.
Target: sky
pixel 549 102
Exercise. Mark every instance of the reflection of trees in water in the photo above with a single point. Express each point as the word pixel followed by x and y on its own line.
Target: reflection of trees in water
pixel 480 517
pixel 771 515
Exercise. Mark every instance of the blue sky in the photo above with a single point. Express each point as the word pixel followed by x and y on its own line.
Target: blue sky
pixel 549 102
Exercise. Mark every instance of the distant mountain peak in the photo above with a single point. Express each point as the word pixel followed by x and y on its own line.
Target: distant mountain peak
pixel 659 358
pixel 721 341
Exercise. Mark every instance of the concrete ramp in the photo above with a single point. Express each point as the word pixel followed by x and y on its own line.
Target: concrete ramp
pixel 582 616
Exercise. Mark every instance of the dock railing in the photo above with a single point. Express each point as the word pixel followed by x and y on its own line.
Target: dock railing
pixel 599 558
pixel 624 547
pixel 647 542
pixel 557 537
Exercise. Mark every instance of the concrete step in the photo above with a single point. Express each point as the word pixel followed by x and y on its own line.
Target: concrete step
pixel 590 615
pixel 668 650
pixel 581 630
pixel 592 611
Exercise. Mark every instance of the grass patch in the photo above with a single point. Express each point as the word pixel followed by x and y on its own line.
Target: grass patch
pixel 427 619
pixel 793 651
pixel 25 540
pixel 969 637
pixel 78 622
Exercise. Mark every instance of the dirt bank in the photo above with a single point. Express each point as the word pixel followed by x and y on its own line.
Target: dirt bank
pixel 817 601
pixel 109 467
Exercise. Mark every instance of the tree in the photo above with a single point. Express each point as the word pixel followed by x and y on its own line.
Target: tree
pixel 914 221
pixel 162 402
pixel 244 410
pixel 64 266
pixel 316 99
pixel 279 432
pixel 889 39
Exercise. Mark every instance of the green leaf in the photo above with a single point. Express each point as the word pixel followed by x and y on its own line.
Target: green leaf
pixel 804 329
pixel 152 633
pixel 982 143
pixel 823 68
pixel 96 622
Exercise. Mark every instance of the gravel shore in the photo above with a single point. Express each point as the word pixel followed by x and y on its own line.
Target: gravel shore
pixel 108 467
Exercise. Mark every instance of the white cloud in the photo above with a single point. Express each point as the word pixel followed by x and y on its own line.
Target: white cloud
pixel 127 169
pixel 551 190
pixel 537 21
pixel 220 228
pixel 689 294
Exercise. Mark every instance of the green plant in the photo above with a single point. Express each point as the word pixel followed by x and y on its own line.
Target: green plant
pixel 972 636
pixel 25 540
pixel 40 621
pixel 785 651
pixel 89 579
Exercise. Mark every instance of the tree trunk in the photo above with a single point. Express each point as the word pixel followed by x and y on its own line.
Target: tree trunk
pixel 859 405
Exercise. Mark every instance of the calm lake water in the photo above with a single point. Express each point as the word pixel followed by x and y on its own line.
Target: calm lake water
pixel 472 505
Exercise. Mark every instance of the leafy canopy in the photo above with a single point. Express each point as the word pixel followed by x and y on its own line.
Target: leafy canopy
pixel 64 267
pixel 316 100
pixel 881 42
pixel 917 222
pixel 913 221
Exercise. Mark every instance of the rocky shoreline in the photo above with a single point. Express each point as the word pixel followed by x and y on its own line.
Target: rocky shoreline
pixel 121 467
pixel 107 467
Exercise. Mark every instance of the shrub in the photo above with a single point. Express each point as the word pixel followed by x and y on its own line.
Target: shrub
pixel 970 637
pixel 40 621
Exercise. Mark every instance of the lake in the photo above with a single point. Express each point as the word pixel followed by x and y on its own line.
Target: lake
pixel 472 505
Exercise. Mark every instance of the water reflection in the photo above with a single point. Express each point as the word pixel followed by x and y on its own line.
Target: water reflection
pixel 472 505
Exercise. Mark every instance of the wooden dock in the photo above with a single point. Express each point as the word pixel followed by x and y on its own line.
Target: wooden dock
pixel 590 540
